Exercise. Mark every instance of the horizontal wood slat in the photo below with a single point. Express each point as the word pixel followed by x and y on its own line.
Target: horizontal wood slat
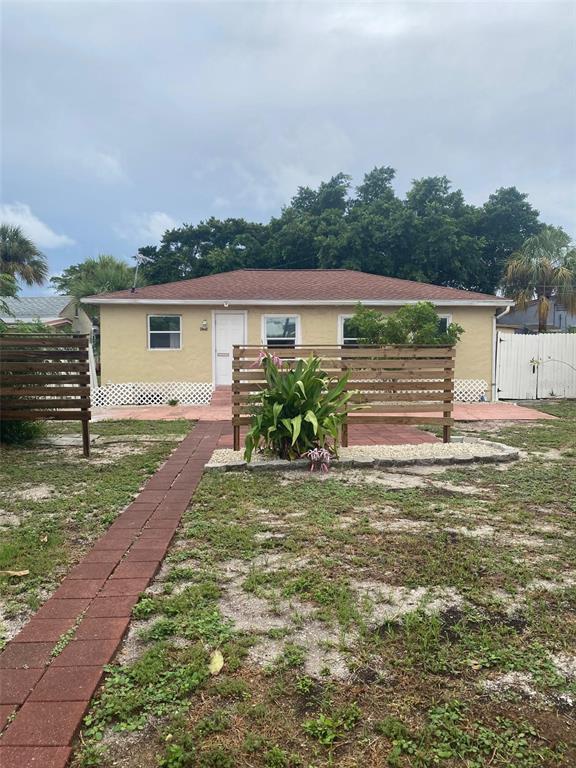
pixel 45 377
pixel 32 378
pixel 338 353
pixel 375 365
pixel 51 391
pixel 12 340
pixel 42 355
pixel 21 404
pixel 76 415
pixel 64 367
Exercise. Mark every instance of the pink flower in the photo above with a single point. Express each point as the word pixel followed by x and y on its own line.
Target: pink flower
pixel 319 458
pixel 263 355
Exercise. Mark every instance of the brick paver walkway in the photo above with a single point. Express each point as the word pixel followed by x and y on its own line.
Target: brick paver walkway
pixel 43 697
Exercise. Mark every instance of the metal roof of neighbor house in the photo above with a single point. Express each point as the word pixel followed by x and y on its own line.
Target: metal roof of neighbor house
pixel 295 286
pixel 30 308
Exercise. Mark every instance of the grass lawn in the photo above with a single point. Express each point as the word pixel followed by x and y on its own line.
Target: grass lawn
pixel 364 618
pixel 54 503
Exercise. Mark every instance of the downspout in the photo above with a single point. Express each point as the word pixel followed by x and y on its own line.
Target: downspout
pixel 495 350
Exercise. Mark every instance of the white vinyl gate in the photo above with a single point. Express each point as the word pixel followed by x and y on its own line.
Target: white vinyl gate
pixel 532 367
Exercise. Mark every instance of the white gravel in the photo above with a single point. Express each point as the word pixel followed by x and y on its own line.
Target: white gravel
pixel 378 455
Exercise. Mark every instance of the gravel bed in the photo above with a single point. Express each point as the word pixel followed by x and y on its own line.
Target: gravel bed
pixel 465 451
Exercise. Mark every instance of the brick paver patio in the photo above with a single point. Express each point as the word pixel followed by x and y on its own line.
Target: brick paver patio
pixel 43 697
pixel 220 410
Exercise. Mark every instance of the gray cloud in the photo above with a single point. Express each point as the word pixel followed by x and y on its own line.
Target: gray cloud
pixel 114 109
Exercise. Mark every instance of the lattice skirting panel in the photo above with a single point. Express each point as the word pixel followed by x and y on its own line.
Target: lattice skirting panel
pixel 151 393
pixel 470 390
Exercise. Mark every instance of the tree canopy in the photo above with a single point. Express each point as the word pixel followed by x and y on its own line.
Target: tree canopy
pixel 100 275
pixel 543 269
pixel 95 275
pixel 431 234
pixel 20 258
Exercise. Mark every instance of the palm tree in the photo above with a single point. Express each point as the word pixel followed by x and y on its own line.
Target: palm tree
pixel 20 258
pixel 543 269
pixel 102 274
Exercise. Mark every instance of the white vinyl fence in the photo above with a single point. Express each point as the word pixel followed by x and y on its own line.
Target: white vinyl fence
pixel 532 367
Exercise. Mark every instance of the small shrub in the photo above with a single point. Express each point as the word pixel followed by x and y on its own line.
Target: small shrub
pixel 178 756
pixel 300 409
pixel 19 432
pixel 144 608
pixel 327 729
pixel 412 324
pixel 304 685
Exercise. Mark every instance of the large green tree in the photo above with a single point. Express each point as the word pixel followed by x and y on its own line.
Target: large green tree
pixel 504 222
pixel 431 235
pixel 20 258
pixel 543 269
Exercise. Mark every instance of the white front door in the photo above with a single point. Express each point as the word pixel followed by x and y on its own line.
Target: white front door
pixel 229 329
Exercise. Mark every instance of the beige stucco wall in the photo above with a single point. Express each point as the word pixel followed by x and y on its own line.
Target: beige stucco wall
pixel 80 323
pixel 125 355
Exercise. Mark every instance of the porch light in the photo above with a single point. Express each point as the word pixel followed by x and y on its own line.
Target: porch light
pixel 204 325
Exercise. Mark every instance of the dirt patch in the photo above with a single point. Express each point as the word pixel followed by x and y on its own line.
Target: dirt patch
pixel 37 492
pixel 9 521
pixel 111 453
pixel 121 747
pixel 386 602
pixel 402 525
pixel 519 683
pixel 253 614
pixel 565 664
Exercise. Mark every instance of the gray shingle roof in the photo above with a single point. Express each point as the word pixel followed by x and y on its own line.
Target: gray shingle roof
pixel 36 307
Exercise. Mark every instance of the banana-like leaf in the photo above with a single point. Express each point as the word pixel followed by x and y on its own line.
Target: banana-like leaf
pixel 296 427
pixel 311 418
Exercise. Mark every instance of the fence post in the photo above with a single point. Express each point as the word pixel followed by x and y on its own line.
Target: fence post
pixel 85 438
pixel 235 395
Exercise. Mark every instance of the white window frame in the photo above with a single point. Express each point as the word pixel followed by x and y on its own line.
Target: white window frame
pixel 149 333
pixel 341 319
pixel 297 339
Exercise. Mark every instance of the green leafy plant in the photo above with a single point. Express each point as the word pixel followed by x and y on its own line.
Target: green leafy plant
pixel 301 408
pixel 327 729
pixel 412 324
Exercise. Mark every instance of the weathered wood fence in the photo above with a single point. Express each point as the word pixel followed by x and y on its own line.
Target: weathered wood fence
pixel 45 377
pixel 393 384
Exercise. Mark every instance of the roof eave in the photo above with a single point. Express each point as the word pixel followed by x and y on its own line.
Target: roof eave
pixel 491 302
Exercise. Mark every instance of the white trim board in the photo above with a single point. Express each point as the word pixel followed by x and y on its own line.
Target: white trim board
pixel 496 302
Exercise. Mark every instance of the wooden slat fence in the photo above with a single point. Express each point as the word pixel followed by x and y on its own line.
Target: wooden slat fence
pixel 45 377
pixel 393 384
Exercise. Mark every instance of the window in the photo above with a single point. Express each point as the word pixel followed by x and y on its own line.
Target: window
pixel 346 336
pixel 280 330
pixel 164 332
pixel 445 321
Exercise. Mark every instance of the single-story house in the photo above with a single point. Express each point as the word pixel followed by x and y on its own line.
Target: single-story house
pixel 559 319
pixel 61 313
pixel 182 333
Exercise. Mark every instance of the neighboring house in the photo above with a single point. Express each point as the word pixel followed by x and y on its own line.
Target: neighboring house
pixel 183 332
pixel 559 320
pixel 62 313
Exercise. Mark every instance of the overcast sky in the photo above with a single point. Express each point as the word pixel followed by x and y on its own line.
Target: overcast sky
pixel 120 119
